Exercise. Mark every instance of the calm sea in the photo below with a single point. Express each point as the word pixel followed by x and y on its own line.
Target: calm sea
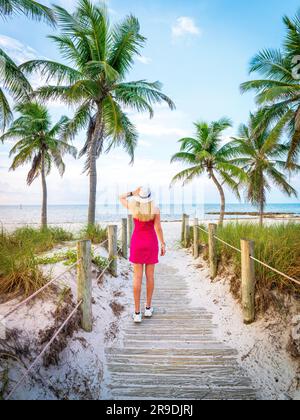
pixel 78 213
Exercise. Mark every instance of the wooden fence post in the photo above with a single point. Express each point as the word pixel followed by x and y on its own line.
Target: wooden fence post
pixel 183 227
pixel 212 245
pixel 124 239
pixel 130 228
pixel 113 248
pixel 187 232
pixel 196 238
pixel 248 281
pixel 84 283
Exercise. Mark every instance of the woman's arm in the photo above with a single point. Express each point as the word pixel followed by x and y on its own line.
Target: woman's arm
pixel 160 233
pixel 124 197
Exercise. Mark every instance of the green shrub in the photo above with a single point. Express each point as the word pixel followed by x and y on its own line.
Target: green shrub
pixel 19 267
pixel 278 245
pixel 94 233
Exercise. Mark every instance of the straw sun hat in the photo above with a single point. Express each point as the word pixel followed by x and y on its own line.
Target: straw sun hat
pixel 145 195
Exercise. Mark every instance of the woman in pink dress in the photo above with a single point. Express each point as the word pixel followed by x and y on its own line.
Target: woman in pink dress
pixel 144 245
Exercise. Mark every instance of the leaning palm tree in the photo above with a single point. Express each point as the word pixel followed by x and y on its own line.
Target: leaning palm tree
pixel 205 153
pixel 99 56
pixel 30 8
pixel 39 143
pixel 279 88
pixel 260 153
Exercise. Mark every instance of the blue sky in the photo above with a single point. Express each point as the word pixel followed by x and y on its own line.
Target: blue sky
pixel 199 50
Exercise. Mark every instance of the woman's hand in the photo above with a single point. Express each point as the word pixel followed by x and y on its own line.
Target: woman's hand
pixel 137 191
pixel 163 250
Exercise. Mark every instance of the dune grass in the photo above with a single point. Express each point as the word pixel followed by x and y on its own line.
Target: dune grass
pixel 278 245
pixel 94 233
pixel 19 269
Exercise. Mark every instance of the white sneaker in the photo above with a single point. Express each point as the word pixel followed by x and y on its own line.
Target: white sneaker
pixel 137 318
pixel 148 312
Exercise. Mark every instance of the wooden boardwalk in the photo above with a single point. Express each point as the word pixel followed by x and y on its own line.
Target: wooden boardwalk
pixel 174 355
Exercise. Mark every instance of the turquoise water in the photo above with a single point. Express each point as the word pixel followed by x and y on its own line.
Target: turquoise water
pixel 78 213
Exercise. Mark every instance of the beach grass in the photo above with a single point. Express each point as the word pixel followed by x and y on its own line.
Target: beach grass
pixel 95 233
pixel 278 245
pixel 19 268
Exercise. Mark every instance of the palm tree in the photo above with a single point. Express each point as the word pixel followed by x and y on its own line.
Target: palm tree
pixel 205 153
pixel 13 82
pixel 100 56
pixel 12 79
pixel 261 154
pixel 30 8
pixel 279 88
pixel 39 143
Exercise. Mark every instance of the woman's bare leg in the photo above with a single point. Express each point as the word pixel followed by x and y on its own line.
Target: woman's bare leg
pixel 137 285
pixel 150 268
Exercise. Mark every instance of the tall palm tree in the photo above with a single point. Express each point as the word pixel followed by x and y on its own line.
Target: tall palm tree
pixel 205 153
pixel 39 143
pixel 30 8
pixel 99 56
pixel 260 153
pixel 279 88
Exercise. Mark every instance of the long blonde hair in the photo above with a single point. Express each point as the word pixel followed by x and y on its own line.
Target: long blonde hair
pixel 143 211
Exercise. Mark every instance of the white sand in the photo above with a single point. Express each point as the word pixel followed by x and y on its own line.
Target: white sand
pixel 81 373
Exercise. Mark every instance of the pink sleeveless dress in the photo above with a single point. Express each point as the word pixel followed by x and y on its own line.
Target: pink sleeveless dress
pixel 144 243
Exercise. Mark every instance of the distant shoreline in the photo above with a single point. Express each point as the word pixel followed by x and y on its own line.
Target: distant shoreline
pixel 256 214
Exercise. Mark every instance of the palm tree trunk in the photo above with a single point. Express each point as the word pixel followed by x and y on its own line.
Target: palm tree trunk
pixel 261 213
pixel 45 194
pixel 96 137
pixel 93 185
pixel 222 196
pixel 262 201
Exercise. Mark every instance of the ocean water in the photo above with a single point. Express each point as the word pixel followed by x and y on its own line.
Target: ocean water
pixel 59 214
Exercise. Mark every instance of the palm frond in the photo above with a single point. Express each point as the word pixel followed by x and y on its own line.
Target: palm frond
pixel 184 157
pixel 30 8
pixel 126 43
pixel 52 70
pixel 187 175
pixel 6 114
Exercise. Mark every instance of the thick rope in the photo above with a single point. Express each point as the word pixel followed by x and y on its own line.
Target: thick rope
pixel 226 243
pixel 256 260
pixel 24 302
pixel 104 271
pixel 100 245
pixel 32 366
pixel 275 270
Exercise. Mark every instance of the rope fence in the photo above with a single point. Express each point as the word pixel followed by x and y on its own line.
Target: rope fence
pixel 253 258
pixel 24 302
pixel 39 357
pixel 84 284
pixel 247 262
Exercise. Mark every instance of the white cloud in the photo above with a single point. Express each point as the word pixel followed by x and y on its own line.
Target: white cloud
pixel 143 59
pixel 18 51
pixel 185 26
pixel 165 123
pixel 144 143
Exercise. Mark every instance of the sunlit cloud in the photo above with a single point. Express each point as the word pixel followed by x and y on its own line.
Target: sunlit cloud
pixel 18 51
pixel 185 26
pixel 143 59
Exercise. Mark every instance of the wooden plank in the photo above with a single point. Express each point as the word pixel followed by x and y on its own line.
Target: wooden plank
pixel 174 355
